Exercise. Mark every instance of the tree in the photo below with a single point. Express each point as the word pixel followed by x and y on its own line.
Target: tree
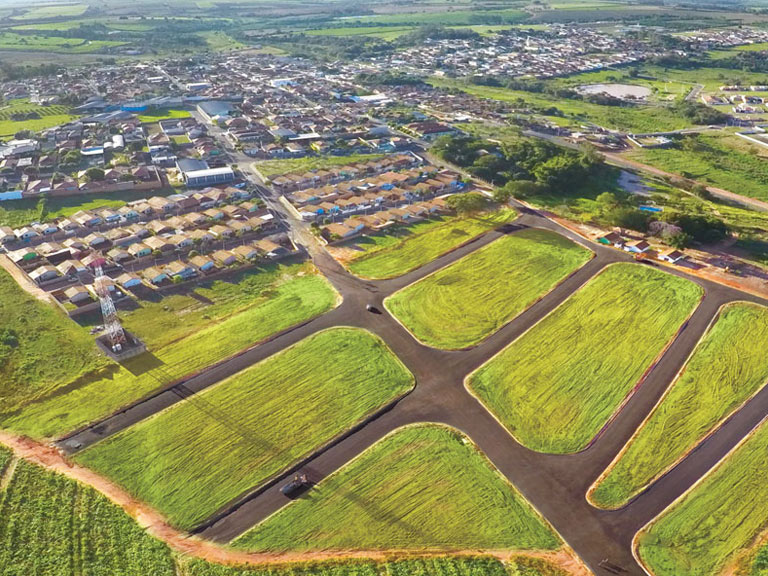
pixel 701 191
pixel 469 203
pixel 94 174
pixel 680 240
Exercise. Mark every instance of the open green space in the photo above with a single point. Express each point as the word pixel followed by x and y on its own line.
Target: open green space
pixel 726 369
pixel 271 168
pixel 21 114
pixel 17 213
pixel 446 18
pixel 557 385
pixel 165 114
pixel 52 11
pixel 406 248
pixel 720 159
pixel 253 425
pixel 40 348
pixel 721 516
pixel 44 43
pixel 638 118
pixel 53 526
pixel 422 487
pixel 213 322
pixel 462 304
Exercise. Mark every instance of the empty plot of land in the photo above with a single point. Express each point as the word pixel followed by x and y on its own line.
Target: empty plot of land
pixel 727 367
pixel 558 384
pixel 197 456
pixel 422 487
pixel 51 526
pixel 467 301
pixel 184 334
pixel 390 255
pixel 720 517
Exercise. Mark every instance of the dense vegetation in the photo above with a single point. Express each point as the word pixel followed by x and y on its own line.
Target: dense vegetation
pixel 253 425
pixel 422 487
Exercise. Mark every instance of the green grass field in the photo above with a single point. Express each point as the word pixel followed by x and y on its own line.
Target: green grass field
pixel 722 160
pixel 515 565
pixel 166 114
pixel 57 44
pixel 53 11
pixel 197 456
pixel 462 304
pixel 422 487
pixel 48 116
pixel 445 18
pixel 40 348
pixel 640 118
pixel 182 340
pixel 53 526
pixel 393 254
pixel 556 386
pixel 721 516
pixel 726 369
pixel 271 168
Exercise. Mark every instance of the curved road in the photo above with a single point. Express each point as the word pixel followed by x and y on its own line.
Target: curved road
pixel 555 484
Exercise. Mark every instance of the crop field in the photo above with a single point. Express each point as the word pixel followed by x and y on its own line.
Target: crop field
pixel 726 162
pixel 422 487
pixel 192 337
pixel 271 168
pixel 516 565
pixel 166 114
pixel 40 348
pixel 52 526
pixel 464 303
pixel 555 387
pixel 197 456
pixel 58 44
pixel 640 118
pixel 53 11
pixel 724 371
pixel 396 253
pixel 720 517
pixel 446 18
pixel 39 117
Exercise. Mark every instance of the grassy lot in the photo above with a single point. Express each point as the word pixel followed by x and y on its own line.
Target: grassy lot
pixel 726 368
pixel 252 425
pixel 714 522
pixel 446 18
pixel 462 304
pixel 270 168
pixel 17 213
pixel 640 118
pixel 422 487
pixel 53 11
pixel 47 116
pixel 165 114
pixel 556 386
pixel 182 340
pixel 219 41
pixel 5 458
pixel 393 254
pixel 40 348
pixel 437 566
pixel 52 526
pixel 58 44
pixel 722 160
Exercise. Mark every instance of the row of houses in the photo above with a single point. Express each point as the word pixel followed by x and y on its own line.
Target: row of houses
pixel 639 247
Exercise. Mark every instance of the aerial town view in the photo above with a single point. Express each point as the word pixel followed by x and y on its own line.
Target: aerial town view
pixel 384 288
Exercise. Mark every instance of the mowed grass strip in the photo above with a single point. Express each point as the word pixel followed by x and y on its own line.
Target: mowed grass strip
pixel 52 526
pixel 720 517
pixel 727 367
pixel 178 346
pixel 422 487
pixel 557 385
pixel 461 304
pixel 200 454
pixel 412 252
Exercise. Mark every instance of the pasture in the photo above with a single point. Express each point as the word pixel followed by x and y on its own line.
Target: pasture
pixel 718 519
pixel 183 339
pixel 52 526
pixel 556 386
pixel 200 454
pixel 422 487
pixel 462 304
pixel 53 11
pixel 20 114
pixel 726 369
pixel 395 253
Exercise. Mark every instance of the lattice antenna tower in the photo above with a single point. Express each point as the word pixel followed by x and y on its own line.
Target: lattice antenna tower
pixel 112 326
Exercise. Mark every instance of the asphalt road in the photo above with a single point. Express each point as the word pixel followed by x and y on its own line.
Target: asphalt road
pixel 555 484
